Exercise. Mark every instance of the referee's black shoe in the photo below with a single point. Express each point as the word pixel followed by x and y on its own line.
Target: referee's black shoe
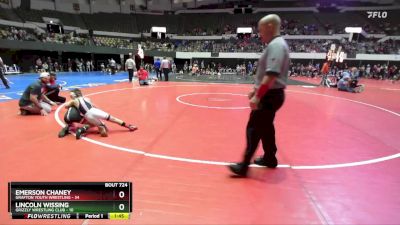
pixel 239 169
pixel 270 163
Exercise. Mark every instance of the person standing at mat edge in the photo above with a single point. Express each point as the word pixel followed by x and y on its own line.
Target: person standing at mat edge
pixel 157 65
pixel 165 66
pixel 2 77
pixel 267 96
pixel 113 66
pixel 130 65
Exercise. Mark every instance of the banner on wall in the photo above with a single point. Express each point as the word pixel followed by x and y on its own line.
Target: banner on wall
pixel 171 59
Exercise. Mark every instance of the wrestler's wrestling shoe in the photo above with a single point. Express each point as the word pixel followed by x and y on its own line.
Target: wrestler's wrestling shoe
pixel 64 132
pixel 80 131
pixel 132 128
pixel 270 163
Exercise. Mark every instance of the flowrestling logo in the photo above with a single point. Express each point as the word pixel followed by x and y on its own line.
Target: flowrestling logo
pixel 377 14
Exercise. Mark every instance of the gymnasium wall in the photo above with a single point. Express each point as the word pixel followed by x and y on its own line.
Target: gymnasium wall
pixel 95 6
pixel 42 4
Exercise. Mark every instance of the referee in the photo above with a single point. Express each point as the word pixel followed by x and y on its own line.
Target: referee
pixel 130 65
pixel 2 77
pixel 267 96
pixel 165 67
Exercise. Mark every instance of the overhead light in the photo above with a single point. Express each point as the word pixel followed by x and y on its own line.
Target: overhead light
pixel 158 29
pixel 353 30
pixel 244 30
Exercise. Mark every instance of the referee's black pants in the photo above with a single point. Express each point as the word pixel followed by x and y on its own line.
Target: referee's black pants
pixel 165 71
pixel 3 78
pixel 130 72
pixel 261 126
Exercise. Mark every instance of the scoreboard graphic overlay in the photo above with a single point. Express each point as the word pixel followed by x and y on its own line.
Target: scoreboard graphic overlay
pixel 70 200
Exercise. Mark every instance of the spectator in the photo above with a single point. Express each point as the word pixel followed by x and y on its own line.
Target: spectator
pixel 249 68
pixel 39 66
pixel 56 66
pixel 78 65
pixel 45 66
pixel 173 68
pixel 88 67
pixel 82 64
pixel 324 72
pixel 69 65
pixel 113 66
pixel 186 67
pixel 130 65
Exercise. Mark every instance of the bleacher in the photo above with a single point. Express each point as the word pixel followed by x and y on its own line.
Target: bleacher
pixel 293 23
pixel 113 42
pixel 210 23
pixel 30 15
pixel 9 14
pixel 67 19
pixel 341 20
pixel 113 22
pixel 174 23
pixel 206 22
pixel 389 25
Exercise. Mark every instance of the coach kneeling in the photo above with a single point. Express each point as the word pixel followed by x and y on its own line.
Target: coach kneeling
pixel 143 76
pixel 33 101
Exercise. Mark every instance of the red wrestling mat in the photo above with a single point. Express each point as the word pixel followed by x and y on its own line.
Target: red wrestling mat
pixel 338 154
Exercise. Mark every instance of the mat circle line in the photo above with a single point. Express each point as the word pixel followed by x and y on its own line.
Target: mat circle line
pixel 189 160
pixel 210 107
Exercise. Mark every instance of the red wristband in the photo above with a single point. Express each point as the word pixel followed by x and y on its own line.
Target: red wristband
pixel 261 91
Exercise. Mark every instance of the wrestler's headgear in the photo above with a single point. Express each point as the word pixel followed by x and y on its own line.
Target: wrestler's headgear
pixel 76 92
